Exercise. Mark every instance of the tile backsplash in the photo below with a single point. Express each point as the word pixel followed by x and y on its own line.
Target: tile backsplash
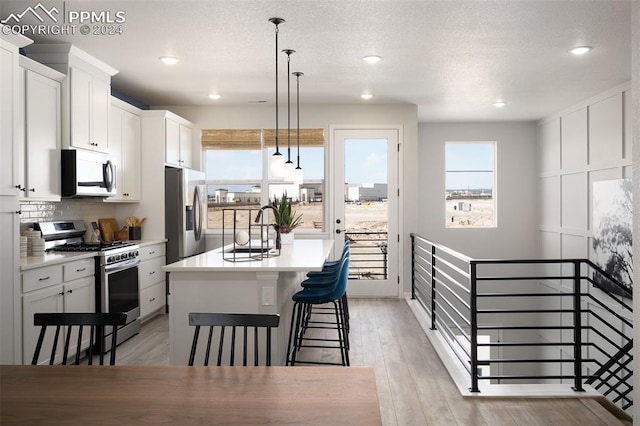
pixel 71 209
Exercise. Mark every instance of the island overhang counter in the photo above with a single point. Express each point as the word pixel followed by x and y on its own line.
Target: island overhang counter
pixel 208 283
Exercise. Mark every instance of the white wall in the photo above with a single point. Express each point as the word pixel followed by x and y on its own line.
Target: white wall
pixel 583 144
pixel 515 235
pixel 322 116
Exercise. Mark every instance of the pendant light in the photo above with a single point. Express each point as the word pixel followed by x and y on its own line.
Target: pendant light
pixel 289 169
pixel 299 175
pixel 276 163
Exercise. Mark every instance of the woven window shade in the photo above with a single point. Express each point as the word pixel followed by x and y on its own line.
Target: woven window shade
pixel 308 137
pixel 247 139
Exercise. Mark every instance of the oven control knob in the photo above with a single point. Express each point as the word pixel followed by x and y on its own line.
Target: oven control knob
pixel 110 259
pixel 135 253
pixel 116 257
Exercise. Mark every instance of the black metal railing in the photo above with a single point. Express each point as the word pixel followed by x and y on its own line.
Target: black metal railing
pixel 368 255
pixel 529 321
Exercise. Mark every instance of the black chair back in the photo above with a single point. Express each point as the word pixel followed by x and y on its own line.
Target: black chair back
pixel 78 320
pixel 244 322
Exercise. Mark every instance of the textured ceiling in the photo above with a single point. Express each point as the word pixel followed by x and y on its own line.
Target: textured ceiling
pixel 452 59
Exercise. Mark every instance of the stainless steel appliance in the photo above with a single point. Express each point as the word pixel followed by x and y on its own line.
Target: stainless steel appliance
pixel 117 286
pixel 87 174
pixel 185 212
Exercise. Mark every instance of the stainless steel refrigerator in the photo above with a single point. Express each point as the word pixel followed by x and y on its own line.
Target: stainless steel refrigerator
pixel 185 212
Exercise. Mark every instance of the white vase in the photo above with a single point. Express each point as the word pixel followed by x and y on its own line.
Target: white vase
pixel 286 238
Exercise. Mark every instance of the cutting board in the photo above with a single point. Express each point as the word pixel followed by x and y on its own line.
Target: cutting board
pixel 108 229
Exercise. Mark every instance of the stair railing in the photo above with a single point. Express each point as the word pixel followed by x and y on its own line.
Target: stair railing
pixel 547 320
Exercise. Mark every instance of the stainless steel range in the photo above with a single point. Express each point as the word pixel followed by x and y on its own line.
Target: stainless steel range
pixel 117 286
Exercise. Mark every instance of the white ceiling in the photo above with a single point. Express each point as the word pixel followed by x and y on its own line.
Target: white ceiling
pixel 452 59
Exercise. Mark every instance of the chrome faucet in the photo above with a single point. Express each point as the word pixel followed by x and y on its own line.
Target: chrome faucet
pixel 277 219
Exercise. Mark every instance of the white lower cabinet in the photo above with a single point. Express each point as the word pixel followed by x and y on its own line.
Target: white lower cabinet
pixel 68 287
pixel 152 280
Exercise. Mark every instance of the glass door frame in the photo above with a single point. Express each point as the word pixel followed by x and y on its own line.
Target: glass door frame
pixel 374 288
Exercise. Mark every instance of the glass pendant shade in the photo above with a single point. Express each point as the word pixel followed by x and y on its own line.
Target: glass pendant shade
pixel 289 171
pixel 276 165
pixel 299 176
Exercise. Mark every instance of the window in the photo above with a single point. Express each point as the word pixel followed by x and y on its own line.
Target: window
pixel 470 190
pixel 236 164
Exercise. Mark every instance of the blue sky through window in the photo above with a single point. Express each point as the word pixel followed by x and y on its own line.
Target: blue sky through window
pixel 469 165
pixel 365 160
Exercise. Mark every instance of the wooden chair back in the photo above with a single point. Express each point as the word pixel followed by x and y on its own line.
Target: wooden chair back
pixel 78 320
pixel 245 323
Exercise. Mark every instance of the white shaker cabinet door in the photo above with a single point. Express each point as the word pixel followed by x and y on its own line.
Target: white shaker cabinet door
pixel 172 142
pixel 80 108
pixel 79 296
pixel 42 137
pixel 50 299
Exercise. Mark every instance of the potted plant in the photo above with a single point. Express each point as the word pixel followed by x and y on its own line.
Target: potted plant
pixel 289 220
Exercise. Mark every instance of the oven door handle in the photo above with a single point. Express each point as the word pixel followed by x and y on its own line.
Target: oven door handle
pixel 122 265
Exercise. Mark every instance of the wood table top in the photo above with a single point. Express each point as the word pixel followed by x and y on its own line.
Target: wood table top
pixel 177 395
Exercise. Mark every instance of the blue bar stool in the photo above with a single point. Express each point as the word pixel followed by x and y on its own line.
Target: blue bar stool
pixel 309 297
pixel 327 278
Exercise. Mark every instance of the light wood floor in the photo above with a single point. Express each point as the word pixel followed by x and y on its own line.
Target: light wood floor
pixel 413 386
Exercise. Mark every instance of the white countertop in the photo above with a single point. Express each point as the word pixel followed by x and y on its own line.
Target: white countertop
pixel 54 258
pixel 302 255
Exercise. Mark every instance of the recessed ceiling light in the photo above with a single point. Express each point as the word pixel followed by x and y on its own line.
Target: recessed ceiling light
pixel 214 97
pixel 168 60
pixel 372 59
pixel 366 96
pixel 581 50
pixel 499 104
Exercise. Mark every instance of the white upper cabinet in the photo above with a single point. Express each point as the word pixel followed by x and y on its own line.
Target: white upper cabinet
pixel 9 120
pixel 174 131
pixel 124 143
pixel 178 143
pixel 89 111
pixel 86 94
pixel 40 132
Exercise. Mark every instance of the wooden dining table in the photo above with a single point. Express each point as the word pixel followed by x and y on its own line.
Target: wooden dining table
pixel 178 395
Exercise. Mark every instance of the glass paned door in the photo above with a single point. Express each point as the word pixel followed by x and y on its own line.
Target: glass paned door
pixel 366 208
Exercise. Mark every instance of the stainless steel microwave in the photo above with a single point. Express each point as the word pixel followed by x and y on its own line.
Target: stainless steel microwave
pixel 87 174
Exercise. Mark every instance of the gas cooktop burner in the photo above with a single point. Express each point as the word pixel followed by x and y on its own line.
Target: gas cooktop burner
pixel 98 246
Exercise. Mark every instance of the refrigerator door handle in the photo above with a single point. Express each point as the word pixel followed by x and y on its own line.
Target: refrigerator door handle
pixel 197 212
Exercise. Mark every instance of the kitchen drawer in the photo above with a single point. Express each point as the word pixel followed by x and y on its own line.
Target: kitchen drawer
pixel 149 252
pixel 78 269
pixel 152 298
pixel 42 277
pixel 150 272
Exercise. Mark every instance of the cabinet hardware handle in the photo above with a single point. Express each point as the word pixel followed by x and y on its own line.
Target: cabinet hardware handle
pixel 19 212
pixel 44 279
pixel 32 190
pixel 61 293
pixel 20 188
pixel 152 272
pixel 69 291
pixel 81 269
pixel 151 300
pixel 152 252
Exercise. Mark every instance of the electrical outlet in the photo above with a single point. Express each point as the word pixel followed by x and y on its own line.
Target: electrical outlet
pixel 267 296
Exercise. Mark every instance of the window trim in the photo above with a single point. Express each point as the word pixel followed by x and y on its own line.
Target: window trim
pixel 240 139
pixel 494 192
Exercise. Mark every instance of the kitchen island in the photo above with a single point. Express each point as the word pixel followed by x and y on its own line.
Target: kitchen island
pixel 208 283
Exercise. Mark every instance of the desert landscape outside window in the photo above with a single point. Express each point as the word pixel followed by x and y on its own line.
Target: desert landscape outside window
pixel 470 190
pixel 236 165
